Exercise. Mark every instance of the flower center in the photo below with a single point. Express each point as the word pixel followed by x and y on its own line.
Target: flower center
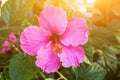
pixel 57 47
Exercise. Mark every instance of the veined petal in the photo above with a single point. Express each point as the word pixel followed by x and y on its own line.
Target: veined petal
pixel 76 33
pixel 32 38
pixel 72 56
pixel 53 19
pixel 47 60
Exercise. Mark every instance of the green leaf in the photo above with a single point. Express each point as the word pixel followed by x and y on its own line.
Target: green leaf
pixel 91 72
pixel 4 35
pixel 85 72
pixel 109 59
pixel 101 36
pixel 68 73
pixel 89 51
pixel 16 10
pixel 4 75
pixel 117 35
pixel 114 27
pixel 87 60
pixel 22 67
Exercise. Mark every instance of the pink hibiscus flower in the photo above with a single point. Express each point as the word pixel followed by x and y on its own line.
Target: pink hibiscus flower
pixel 57 40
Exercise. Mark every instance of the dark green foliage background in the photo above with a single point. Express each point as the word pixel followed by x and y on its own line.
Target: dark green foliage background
pixel 102 50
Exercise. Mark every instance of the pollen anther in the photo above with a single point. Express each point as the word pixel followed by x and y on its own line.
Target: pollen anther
pixel 57 48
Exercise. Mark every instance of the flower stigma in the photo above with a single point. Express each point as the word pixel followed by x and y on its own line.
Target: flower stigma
pixel 57 47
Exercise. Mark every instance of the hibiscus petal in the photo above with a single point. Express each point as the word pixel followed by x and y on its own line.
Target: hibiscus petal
pixel 32 38
pixel 76 33
pixel 47 60
pixel 72 56
pixel 53 19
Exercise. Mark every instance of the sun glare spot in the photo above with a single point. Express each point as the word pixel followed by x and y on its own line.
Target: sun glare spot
pixel 3 1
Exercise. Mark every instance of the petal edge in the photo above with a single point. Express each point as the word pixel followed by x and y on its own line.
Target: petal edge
pixel 76 33
pixel 47 60
pixel 72 56
pixel 53 19
pixel 32 38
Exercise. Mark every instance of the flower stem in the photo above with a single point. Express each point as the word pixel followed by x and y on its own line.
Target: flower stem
pixel 16 48
pixel 61 76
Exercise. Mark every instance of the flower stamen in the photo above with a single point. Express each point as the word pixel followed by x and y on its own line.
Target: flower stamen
pixel 57 47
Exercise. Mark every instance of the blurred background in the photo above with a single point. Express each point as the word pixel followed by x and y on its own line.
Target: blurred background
pixel 102 50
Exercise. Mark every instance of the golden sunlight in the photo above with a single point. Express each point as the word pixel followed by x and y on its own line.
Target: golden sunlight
pixel 84 4
pixel 3 1
pixel 86 1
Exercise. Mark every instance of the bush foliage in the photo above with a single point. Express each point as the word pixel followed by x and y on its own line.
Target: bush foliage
pixel 102 50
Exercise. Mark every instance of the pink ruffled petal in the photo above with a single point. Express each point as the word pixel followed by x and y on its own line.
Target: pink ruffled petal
pixel 47 60
pixel 32 38
pixel 53 19
pixel 72 56
pixel 12 37
pixel 76 33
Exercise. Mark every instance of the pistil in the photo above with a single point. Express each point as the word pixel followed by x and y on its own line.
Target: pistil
pixel 57 47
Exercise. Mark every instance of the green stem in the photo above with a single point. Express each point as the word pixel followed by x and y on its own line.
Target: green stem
pixel 61 76
pixel 42 75
pixel 16 48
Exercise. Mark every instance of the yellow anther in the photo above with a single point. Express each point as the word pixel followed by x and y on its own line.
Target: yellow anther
pixel 57 48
